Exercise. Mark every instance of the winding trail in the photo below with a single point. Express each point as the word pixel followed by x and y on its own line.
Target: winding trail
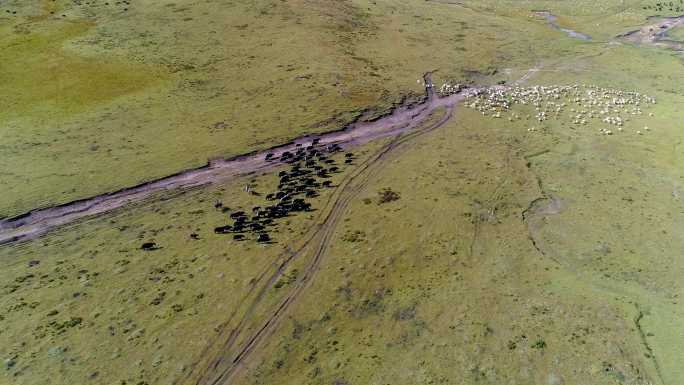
pixel 400 120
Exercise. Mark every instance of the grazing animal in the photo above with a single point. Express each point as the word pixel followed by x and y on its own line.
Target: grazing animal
pixel 223 229
pixel 218 204
pixel 269 156
pixel 194 236
pixel 263 237
pixel 148 246
pixel 237 214
pixel 326 183
pixel 238 237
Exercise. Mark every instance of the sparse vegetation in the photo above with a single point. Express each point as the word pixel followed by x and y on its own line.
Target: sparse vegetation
pixel 386 195
pixel 456 284
pixel 354 236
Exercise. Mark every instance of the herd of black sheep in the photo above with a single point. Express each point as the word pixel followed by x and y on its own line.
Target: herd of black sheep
pixel 310 170
pixel 664 5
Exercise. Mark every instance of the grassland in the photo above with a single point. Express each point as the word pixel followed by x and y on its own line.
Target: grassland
pixel 676 34
pixel 449 284
pixel 160 88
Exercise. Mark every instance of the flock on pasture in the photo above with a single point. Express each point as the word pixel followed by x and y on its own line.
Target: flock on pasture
pixel 583 102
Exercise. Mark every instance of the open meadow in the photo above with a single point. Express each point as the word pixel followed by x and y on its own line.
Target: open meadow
pixel 519 222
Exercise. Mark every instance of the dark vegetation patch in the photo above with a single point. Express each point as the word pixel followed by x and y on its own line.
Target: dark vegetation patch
pixel 371 306
pixel 386 195
pixel 406 313
pixel 354 236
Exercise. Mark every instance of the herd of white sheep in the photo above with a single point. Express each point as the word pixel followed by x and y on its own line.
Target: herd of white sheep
pixel 581 103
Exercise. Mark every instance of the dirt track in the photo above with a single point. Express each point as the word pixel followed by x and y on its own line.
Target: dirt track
pixel 400 120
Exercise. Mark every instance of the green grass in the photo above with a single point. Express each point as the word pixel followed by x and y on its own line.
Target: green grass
pixel 439 286
pixel 676 34
pixel 86 299
pixel 236 77
pixel 461 294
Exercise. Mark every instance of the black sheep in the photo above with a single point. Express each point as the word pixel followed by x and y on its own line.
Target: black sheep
pixel 263 238
pixel 237 214
pixel 223 229
pixel 148 246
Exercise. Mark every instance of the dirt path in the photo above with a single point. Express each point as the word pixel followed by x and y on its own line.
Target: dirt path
pixel 655 33
pixel 400 120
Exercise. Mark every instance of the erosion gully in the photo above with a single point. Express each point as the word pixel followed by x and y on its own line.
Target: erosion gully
pixel 400 120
